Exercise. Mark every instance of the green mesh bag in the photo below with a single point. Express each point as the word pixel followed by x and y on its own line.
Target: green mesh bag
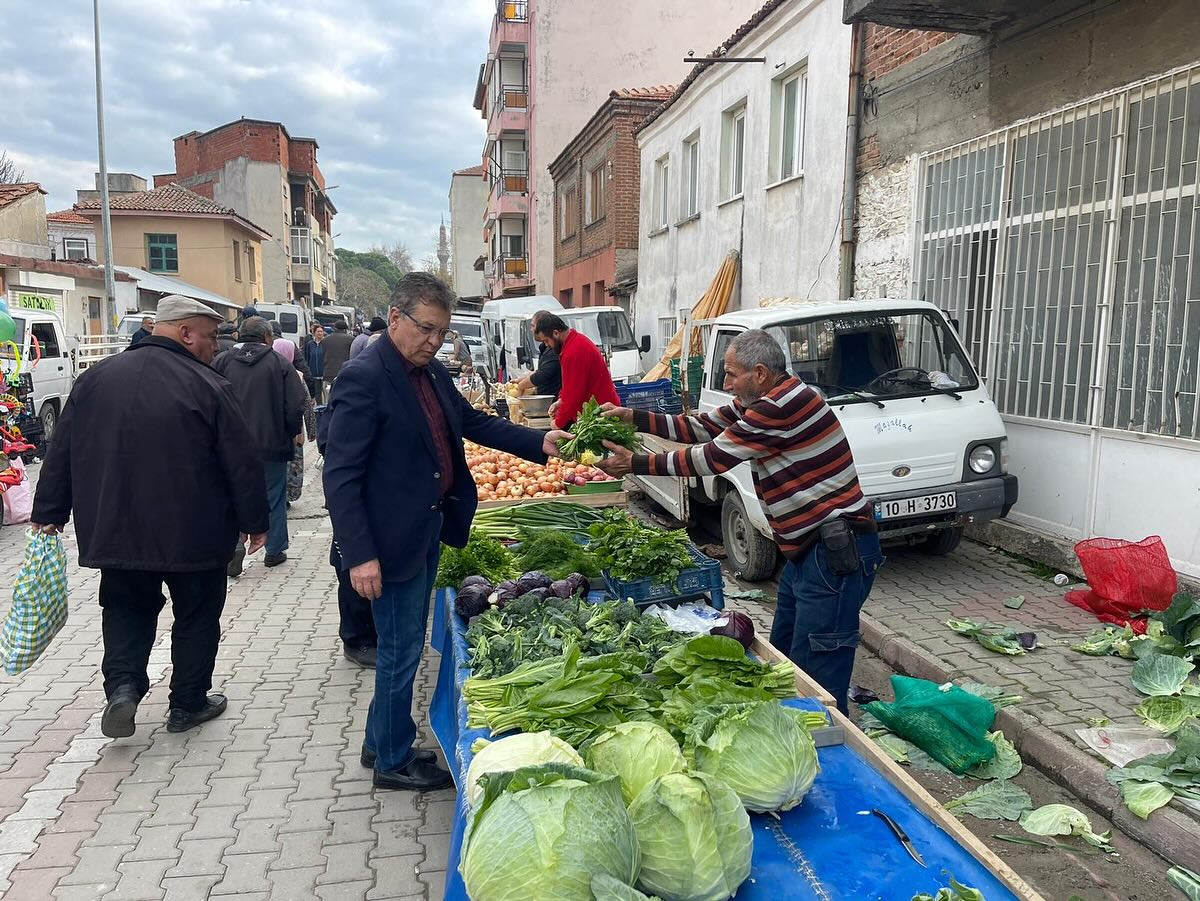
pixel 950 726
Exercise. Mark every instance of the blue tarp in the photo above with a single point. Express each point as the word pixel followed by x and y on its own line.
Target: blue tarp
pixel 830 847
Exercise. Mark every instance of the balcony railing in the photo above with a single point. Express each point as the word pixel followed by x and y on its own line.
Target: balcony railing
pixel 514 96
pixel 510 181
pixel 513 10
pixel 510 266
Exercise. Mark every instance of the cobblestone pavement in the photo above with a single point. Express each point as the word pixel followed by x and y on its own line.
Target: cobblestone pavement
pixel 268 801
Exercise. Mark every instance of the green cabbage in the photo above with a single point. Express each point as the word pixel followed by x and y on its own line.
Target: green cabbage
pixel 544 832
pixel 636 753
pixel 1062 819
pixel 514 752
pixel 762 751
pixel 694 836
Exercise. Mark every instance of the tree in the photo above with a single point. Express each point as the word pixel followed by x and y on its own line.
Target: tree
pixel 398 253
pixel 363 289
pixel 373 260
pixel 9 173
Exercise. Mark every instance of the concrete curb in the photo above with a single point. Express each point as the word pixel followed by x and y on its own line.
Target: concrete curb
pixel 1170 833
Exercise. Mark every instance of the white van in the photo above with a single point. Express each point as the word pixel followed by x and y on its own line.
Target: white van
pixel 929 445
pixel 610 331
pixel 293 319
pixel 507 338
pixel 469 328
pixel 327 315
pixel 41 332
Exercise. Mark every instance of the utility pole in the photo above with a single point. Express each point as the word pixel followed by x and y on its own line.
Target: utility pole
pixel 110 282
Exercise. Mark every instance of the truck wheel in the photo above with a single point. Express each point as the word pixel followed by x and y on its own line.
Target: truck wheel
pixel 49 417
pixel 942 542
pixel 752 555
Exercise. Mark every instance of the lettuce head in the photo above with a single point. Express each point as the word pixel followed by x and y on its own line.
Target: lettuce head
pixel 636 753
pixel 514 752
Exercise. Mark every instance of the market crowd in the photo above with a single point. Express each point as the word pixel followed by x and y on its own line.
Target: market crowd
pixel 179 457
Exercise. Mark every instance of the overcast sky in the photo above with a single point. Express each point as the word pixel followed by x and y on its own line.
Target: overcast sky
pixel 385 87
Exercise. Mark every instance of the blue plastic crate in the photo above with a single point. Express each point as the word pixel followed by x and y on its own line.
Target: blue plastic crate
pixel 704 580
pixel 644 395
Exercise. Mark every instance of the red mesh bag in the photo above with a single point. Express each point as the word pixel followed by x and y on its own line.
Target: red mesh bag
pixel 1125 578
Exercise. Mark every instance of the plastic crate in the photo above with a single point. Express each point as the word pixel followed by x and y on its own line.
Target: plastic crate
pixel 644 395
pixel 695 378
pixel 703 580
pixel 610 487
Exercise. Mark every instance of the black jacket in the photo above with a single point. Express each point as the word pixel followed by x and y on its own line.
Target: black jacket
pixel 224 343
pixel 150 457
pixel 271 396
pixel 548 376
pixel 337 353
pixel 139 336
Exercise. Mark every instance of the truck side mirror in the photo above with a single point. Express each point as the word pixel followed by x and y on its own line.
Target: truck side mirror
pixel 644 347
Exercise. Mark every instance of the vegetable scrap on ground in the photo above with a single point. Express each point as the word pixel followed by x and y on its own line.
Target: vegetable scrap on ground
pixel 999 638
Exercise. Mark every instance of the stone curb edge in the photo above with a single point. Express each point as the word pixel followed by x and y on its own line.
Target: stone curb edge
pixel 1169 833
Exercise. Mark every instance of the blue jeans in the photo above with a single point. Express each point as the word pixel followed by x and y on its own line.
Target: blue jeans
pixel 277 536
pixel 816 616
pixel 401 618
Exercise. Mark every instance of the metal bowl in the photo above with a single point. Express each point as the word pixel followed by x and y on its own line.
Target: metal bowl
pixel 537 405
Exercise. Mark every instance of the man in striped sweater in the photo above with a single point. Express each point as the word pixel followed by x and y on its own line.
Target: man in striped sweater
pixel 805 477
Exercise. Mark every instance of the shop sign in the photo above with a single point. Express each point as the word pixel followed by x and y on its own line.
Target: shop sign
pixel 28 301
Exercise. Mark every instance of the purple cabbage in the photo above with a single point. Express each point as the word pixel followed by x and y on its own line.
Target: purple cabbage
pixel 739 626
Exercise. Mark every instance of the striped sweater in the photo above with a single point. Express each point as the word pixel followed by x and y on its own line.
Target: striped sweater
pixel 803 470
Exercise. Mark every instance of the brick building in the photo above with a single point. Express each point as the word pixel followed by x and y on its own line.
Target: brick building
pixel 597 182
pixel 1031 168
pixel 257 168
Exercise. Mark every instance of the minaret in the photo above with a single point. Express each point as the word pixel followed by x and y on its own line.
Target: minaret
pixel 443 253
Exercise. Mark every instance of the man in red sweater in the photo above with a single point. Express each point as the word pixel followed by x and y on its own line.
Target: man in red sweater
pixel 584 372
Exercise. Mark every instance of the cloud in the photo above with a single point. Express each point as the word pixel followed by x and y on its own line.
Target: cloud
pixel 385 86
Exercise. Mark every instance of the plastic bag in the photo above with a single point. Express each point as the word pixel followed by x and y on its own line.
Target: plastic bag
pixel 1124 578
pixel 690 619
pixel 18 499
pixel 39 607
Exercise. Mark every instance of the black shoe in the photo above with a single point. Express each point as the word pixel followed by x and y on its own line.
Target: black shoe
pixel 117 721
pixel 361 656
pixel 235 565
pixel 418 776
pixel 367 758
pixel 275 559
pixel 181 720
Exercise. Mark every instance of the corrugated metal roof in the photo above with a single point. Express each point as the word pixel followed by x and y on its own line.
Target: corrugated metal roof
pixel 163 284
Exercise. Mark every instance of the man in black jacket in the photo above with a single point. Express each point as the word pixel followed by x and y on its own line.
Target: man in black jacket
pixel 272 397
pixel 226 336
pixel 150 455
pixel 146 330
pixel 337 352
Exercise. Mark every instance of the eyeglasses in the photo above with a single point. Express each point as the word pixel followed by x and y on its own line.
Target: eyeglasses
pixel 430 331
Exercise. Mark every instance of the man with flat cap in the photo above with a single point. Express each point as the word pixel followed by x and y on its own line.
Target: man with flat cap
pixel 150 456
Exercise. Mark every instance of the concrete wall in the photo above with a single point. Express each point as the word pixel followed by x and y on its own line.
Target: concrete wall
pixel 787 232
pixel 582 51
pixel 23 227
pixel 468 201
pixel 205 252
pixel 57 231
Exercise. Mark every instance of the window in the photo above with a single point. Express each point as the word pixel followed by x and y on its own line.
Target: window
pixel 162 253
pixel 512 245
pixel 667 327
pixel 568 206
pixel 733 152
pixel 75 249
pixel 44 332
pixel 598 293
pixel 289 323
pixel 717 380
pixel 586 298
pixel 595 199
pixel 788 96
pixel 564 296
pixel 237 261
pixel 690 198
pixel 662 184
pixel 250 258
pixel 301 246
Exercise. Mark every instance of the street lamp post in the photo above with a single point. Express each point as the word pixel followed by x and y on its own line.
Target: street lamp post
pixel 110 283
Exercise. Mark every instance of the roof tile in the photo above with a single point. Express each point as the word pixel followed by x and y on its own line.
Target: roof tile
pixel 17 190
pixel 170 198
pixel 68 216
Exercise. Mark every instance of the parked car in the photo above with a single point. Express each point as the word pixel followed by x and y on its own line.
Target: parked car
pixel 293 319
pixel 929 445
pixel 46 356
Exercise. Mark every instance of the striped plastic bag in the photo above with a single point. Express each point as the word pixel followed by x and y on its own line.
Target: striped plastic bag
pixel 39 607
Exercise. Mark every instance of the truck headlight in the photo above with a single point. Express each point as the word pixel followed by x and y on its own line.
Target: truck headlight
pixel 982 459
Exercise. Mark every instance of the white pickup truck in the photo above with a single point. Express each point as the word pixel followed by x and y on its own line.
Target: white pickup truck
pixel 928 443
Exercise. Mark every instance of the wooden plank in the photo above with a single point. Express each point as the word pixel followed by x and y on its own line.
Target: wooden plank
pixel 806 686
pixel 607 499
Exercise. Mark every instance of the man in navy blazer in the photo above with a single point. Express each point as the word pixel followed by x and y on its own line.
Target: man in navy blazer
pixel 397 485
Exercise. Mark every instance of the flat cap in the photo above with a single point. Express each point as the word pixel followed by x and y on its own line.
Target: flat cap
pixel 176 308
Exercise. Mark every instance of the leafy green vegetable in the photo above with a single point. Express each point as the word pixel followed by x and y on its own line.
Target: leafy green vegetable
pixel 725 659
pixel 1167 714
pixel 591 429
pixel 545 832
pixel 1186 881
pixel 1006 763
pixel 512 753
pixel 1143 798
pixel 605 888
pixel 955 892
pixel 999 800
pixel 556 554
pixel 483 556
pixel 1001 639
pixel 998 696
pixel 694 835
pixel 1062 819
pixel 1160 674
pixel 636 753
pixel 1111 641
pixel 897 748
pixel 1177 772
pixel 762 750
pixel 630 550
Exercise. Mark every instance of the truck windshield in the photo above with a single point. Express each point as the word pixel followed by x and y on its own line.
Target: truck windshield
pixel 469 329
pixel 861 357
pixel 606 329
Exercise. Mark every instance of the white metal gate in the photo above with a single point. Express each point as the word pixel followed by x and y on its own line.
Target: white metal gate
pixel 1067 247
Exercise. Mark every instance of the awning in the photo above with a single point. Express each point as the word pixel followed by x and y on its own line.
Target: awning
pixel 162 284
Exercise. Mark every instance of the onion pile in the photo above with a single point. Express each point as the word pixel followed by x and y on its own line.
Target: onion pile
pixel 501 477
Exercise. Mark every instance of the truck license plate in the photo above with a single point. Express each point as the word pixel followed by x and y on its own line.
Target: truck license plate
pixel 916 506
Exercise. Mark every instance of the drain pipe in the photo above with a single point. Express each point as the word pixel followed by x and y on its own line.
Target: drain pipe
pixel 849 183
